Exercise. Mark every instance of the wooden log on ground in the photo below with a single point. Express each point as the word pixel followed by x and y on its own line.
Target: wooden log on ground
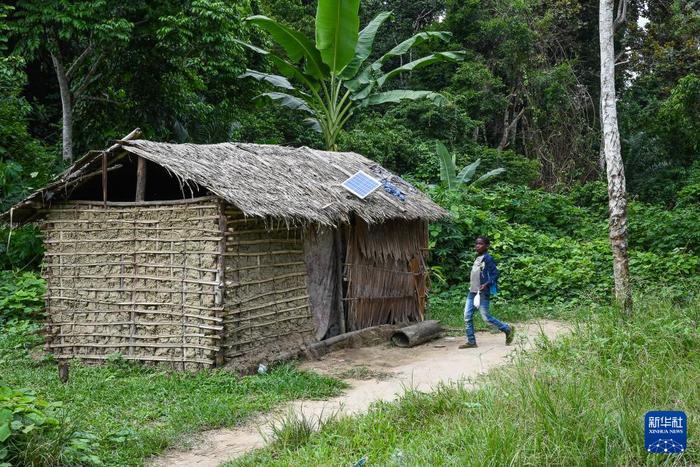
pixel 416 334
pixel 363 337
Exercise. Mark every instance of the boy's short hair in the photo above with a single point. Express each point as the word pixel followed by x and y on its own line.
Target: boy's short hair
pixel 484 239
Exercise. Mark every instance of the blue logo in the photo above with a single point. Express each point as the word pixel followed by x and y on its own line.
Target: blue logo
pixel 665 432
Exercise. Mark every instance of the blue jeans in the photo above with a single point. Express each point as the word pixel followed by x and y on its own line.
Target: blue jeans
pixel 484 309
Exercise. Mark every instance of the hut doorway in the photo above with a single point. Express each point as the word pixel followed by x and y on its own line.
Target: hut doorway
pixel 324 255
pixel 386 273
pixel 361 276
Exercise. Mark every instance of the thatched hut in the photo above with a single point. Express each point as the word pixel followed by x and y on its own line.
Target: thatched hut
pixel 201 255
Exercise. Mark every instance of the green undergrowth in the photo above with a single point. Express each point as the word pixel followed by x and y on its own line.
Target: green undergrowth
pixel 577 400
pixel 121 413
pixel 447 306
pixel 553 248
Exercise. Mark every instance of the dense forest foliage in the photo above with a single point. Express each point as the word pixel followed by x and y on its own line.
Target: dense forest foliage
pixel 522 93
pixel 525 98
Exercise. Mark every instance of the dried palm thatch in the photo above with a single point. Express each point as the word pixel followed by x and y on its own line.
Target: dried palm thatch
pixel 387 276
pixel 296 185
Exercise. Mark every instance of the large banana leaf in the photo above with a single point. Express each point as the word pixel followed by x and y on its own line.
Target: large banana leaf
pixel 294 44
pixel 275 80
pixel 365 42
pixel 490 174
pixel 418 39
pixel 313 123
pixel 398 95
pixel 363 78
pixel 361 94
pixel 291 71
pixel 287 100
pixel 337 25
pixel 284 67
pixel 467 173
pixel 447 165
pixel 374 69
pixel 421 62
pixel 252 47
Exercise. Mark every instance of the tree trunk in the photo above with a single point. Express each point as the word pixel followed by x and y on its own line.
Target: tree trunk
pixel 66 106
pixel 617 200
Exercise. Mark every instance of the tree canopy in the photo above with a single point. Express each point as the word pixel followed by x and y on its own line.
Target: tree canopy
pixel 524 94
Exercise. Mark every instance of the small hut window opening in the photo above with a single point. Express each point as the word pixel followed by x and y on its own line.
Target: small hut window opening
pixel 161 185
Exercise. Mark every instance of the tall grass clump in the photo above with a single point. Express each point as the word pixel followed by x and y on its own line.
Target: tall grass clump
pixel 578 400
pixel 293 431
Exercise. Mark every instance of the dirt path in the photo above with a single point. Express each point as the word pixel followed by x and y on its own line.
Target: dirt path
pixel 384 373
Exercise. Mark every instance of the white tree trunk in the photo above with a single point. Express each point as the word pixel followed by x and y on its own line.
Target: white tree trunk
pixel 617 199
pixel 66 106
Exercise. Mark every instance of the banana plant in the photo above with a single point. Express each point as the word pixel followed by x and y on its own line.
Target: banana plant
pixel 330 77
pixel 448 169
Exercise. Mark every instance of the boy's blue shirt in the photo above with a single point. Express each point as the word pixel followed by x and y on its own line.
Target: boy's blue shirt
pixel 489 275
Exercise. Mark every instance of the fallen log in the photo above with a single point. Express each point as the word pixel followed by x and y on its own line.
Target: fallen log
pixel 361 338
pixel 416 334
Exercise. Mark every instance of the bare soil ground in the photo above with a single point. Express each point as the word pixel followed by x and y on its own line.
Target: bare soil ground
pixel 374 373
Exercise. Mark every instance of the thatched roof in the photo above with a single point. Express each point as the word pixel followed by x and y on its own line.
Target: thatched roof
pixel 292 184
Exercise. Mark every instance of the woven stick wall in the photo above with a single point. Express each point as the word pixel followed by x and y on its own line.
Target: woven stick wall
pixel 140 279
pixel 266 298
pixel 386 273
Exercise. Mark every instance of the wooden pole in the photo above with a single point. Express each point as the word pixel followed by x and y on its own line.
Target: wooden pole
pixel 220 355
pixel 338 243
pixel 63 370
pixel 140 179
pixel 136 133
pixel 104 178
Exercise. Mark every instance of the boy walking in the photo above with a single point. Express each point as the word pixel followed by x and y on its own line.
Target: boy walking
pixel 482 280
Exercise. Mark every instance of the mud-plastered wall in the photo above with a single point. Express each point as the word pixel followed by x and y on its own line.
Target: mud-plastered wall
pixel 140 280
pixel 266 299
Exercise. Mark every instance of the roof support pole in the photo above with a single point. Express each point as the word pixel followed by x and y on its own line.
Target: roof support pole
pixel 104 178
pixel 140 179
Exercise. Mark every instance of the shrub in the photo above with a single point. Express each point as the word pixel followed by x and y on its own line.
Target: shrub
pixel 25 163
pixel 21 296
pixel 592 196
pixel 20 248
pixel 653 228
pixel 549 249
pixel 384 140
pixel 689 196
pixel 32 434
pixel 519 169
pixel 550 213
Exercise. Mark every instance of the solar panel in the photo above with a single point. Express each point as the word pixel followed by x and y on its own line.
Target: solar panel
pixel 361 184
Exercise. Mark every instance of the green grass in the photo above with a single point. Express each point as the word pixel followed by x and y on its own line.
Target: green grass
pixel 579 400
pixel 135 412
pixel 447 306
